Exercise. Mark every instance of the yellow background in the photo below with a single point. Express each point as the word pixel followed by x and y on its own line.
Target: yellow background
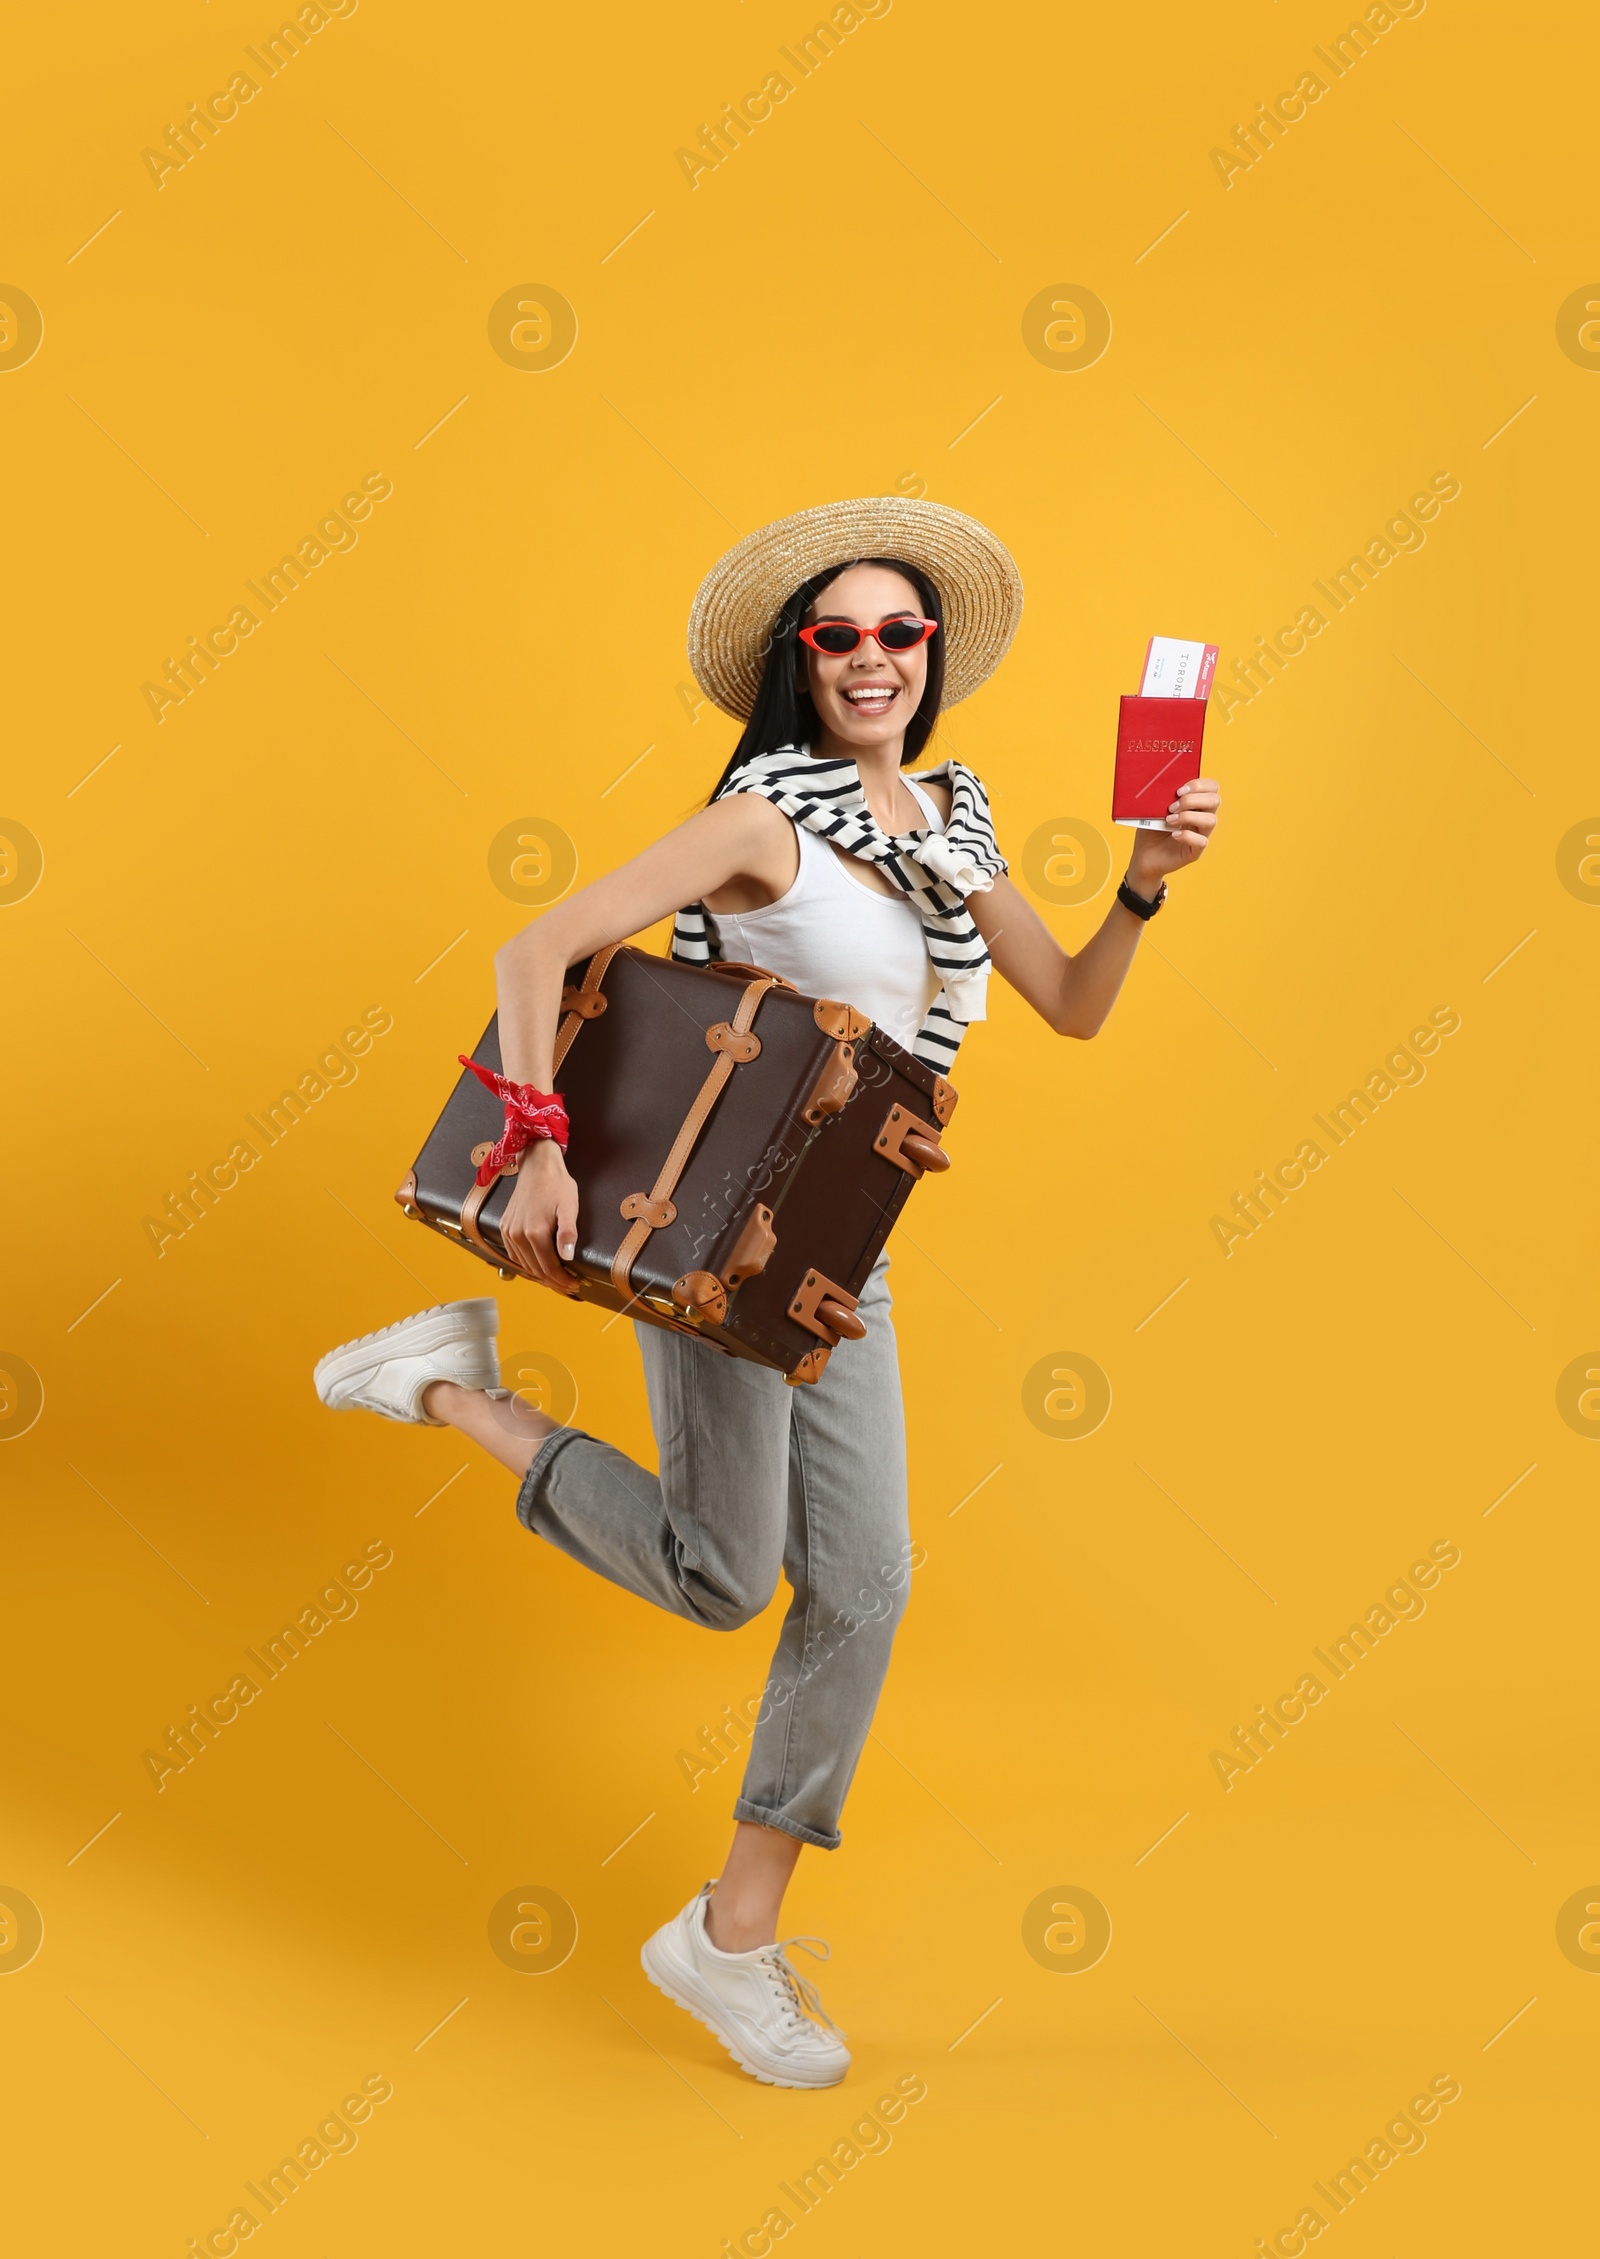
pixel 824 314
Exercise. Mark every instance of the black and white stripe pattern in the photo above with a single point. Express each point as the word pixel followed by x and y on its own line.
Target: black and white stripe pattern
pixel 937 870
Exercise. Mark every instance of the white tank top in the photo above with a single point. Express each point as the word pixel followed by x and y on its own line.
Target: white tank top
pixel 832 936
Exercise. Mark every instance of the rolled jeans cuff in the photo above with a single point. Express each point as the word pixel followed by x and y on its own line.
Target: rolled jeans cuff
pixel 531 1489
pixel 760 1817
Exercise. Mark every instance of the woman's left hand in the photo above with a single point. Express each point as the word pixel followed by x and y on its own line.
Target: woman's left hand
pixel 1193 817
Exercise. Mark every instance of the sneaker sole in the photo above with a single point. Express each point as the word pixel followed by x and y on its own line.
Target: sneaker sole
pixel 439 1328
pixel 680 1988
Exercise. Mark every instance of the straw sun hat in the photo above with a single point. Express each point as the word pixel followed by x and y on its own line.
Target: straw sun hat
pixel 731 623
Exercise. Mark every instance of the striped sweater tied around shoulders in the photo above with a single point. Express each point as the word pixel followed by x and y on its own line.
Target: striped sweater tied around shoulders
pixel 934 870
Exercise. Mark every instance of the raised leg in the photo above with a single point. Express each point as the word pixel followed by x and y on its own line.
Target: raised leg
pixel 507 1426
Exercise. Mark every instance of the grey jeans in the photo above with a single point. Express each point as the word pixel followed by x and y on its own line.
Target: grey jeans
pixel 757 1477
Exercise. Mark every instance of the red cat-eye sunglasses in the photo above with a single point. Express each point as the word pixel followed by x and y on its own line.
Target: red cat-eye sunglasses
pixel 901 632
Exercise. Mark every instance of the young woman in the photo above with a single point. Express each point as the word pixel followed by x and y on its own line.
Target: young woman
pixel 836 635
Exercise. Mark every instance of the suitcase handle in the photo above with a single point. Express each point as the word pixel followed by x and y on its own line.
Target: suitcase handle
pixel 756 972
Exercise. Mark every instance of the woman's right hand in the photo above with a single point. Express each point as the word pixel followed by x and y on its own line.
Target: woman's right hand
pixel 540 1225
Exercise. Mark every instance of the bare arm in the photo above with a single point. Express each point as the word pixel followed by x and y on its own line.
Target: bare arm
pixel 740 837
pixel 1075 993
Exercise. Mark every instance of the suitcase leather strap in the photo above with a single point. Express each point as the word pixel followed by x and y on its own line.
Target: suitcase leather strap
pixel 585 1003
pixel 469 1213
pixel 654 1209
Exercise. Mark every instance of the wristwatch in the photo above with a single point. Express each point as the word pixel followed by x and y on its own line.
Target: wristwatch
pixel 1141 909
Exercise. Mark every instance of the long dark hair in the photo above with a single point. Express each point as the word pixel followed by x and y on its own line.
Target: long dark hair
pixel 783 713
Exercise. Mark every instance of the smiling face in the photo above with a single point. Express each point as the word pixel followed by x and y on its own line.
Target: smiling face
pixel 867 696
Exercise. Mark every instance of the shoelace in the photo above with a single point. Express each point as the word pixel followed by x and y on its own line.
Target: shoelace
pixel 799 2000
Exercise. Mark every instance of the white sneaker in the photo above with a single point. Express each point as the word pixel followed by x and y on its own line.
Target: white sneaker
pixel 760 2007
pixel 387 1371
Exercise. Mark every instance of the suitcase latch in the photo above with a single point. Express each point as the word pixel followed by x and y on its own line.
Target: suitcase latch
pixel 831 1092
pixel 751 1249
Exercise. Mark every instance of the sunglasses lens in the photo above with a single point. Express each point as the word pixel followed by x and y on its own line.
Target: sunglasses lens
pixel 836 637
pixel 901 635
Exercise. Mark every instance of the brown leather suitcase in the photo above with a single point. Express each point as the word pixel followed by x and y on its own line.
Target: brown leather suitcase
pixel 740 1150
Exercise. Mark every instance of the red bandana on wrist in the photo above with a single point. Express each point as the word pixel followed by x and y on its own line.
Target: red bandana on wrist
pixel 530 1115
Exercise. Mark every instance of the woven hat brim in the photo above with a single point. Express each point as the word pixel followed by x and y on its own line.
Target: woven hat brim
pixel 979 586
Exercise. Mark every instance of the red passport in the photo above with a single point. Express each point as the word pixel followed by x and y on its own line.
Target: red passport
pixel 1158 748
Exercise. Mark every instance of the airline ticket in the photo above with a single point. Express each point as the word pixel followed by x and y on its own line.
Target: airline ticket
pixel 1174 669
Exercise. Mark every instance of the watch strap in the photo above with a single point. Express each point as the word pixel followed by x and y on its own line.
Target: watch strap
pixel 1142 909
